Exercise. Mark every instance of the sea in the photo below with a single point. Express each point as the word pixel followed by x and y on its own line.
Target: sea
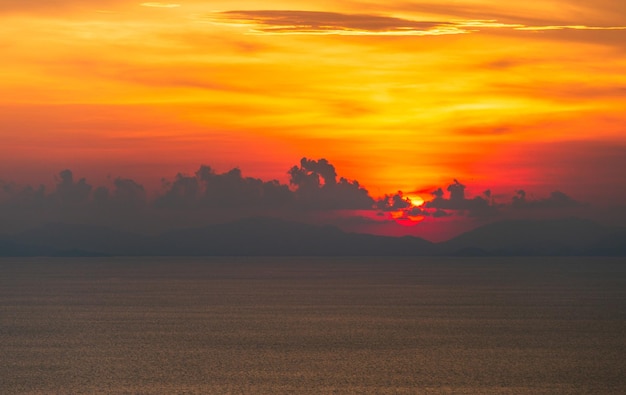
pixel 313 325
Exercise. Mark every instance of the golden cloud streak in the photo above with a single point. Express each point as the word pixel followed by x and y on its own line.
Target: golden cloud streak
pixel 572 27
pixel 287 22
pixel 160 5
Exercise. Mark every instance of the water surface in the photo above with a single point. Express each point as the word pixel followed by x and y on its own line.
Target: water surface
pixel 313 325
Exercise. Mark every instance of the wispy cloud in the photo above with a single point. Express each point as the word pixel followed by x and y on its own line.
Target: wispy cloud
pixel 160 5
pixel 333 23
pixel 313 22
pixel 570 27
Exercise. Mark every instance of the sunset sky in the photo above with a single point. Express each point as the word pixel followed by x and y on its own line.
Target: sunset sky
pixel 398 95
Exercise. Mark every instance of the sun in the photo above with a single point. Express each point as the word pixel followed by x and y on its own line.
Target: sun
pixel 415 200
pixel 408 216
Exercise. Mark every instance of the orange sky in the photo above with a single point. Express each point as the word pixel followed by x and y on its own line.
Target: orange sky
pixel 402 96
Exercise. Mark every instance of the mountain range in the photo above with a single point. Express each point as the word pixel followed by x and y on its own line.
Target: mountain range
pixel 267 236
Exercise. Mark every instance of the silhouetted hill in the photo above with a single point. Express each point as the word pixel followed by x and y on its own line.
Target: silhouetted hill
pixel 253 236
pixel 10 248
pixel 87 239
pixel 613 244
pixel 267 236
pixel 571 236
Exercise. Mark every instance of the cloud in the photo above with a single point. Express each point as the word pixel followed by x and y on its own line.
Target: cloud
pixel 314 187
pixel 393 202
pixel 317 188
pixel 315 192
pixel 70 194
pixel 569 27
pixel 440 206
pixel 550 13
pixel 453 201
pixel 484 206
pixel 478 206
pixel 127 194
pixel 28 197
pixel 315 22
pixel 440 213
pixel 208 189
pixel 556 200
pixel 324 23
pixel 183 192
pixel 592 171
pixel 320 167
pixel 70 201
pixel 160 5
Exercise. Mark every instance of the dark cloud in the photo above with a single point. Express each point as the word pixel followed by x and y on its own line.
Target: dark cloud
pixel 183 192
pixel 314 187
pixel 27 206
pixel 315 192
pixel 321 167
pixel 393 202
pixel 127 194
pixel 70 194
pixel 208 189
pixel 437 208
pixel 484 206
pixel 458 203
pixel 556 200
pixel 519 199
pixel 288 21
pixel 75 201
pixel 231 189
pixel 440 213
pixel 317 188
pixel 129 191
pixel 28 197
pixel 315 22
pixel 477 206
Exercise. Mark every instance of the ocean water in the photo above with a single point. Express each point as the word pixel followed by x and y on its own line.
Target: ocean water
pixel 313 325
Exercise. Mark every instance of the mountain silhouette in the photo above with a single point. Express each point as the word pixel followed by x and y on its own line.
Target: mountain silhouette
pixel 570 236
pixel 270 236
pixel 613 244
pixel 88 238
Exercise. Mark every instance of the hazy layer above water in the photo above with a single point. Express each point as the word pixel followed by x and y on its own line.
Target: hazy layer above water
pixel 313 325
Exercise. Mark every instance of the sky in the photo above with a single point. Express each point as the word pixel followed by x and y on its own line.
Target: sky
pixel 396 117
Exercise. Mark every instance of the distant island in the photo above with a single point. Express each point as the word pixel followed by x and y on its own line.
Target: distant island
pixel 275 237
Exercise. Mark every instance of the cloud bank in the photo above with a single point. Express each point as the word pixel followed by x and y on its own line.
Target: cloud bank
pixel 314 191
